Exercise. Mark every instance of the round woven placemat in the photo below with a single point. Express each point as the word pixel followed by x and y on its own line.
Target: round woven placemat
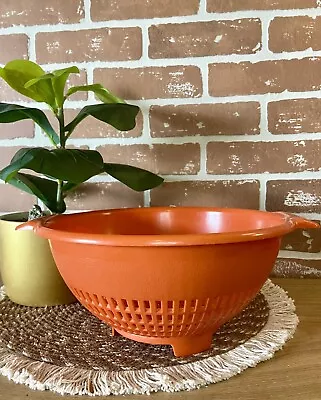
pixel 68 350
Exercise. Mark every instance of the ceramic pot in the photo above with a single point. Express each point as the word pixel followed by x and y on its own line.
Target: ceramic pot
pixel 27 268
pixel 166 275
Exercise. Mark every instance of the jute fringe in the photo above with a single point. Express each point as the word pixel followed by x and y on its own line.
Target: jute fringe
pixel 38 375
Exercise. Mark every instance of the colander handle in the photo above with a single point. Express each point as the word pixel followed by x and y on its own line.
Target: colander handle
pixel 299 222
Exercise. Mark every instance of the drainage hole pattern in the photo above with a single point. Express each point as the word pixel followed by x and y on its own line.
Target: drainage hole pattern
pixel 165 318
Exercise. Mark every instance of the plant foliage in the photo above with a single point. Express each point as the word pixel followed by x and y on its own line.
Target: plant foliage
pixel 55 172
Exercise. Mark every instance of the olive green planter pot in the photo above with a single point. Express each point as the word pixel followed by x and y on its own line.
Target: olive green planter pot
pixel 27 269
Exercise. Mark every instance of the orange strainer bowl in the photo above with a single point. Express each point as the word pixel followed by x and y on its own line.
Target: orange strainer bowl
pixel 166 275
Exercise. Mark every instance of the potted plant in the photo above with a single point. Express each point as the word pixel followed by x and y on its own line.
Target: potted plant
pixel 55 172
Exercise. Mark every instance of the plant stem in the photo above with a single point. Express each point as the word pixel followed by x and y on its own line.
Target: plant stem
pixel 59 192
pixel 61 119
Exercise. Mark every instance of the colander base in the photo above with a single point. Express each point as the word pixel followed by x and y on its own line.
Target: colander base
pixel 182 346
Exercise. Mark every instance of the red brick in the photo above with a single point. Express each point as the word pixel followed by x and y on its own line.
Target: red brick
pixel 169 159
pixel 306 241
pixel 152 82
pixel 12 199
pixel 6 154
pixel 294 196
pixel 297 268
pixel 35 12
pixel 102 10
pixel 115 44
pixel 8 95
pixel 295 116
pixel 20 129
pixel 13 47
pixel 205 119
pixel 93 128
pixel 242 194
pixel 197 39
pixel 227 79
pixel 263 157
pixel 95 196
pixel 237 5
pixel 294 34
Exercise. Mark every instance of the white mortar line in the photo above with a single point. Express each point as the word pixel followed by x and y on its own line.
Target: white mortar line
pixel 19 142
pixel 91 95
pixel 202 9
pixel 299 255
pixel 239 138
pixel 145 46
pixel 32 47
pixel 298 176
pixel 101 179
pixel 311 216
pixel 285 95
pixel 262 200
pixel 90 81
pixel 87 19
pixel 145 138
pixel 265 35
pixel 180 178
pixel 147 198
pixel 203 160
pixel 197 177
pixel 40 139
pixel 265 23
pixel 267 13
pixel 204 76
pixel 264 123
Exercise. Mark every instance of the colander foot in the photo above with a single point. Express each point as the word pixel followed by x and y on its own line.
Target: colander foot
pixel 182 345
pixel 186 346
pixel 114 332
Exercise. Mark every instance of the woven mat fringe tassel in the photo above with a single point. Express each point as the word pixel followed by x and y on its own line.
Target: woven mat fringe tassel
pixel 38 375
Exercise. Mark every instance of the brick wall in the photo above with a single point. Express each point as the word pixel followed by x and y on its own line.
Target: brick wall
pixel 229 92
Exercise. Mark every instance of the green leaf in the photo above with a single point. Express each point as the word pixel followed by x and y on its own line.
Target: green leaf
pixel 58 80
pixel 33 81
pixel 133 177
pixel 69 165
pixel 18 72
pixel 43 189
pixel 102 93
pixel 121 116
pixel 13 112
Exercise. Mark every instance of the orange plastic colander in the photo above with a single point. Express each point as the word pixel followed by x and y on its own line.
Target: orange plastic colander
pixel 166 275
